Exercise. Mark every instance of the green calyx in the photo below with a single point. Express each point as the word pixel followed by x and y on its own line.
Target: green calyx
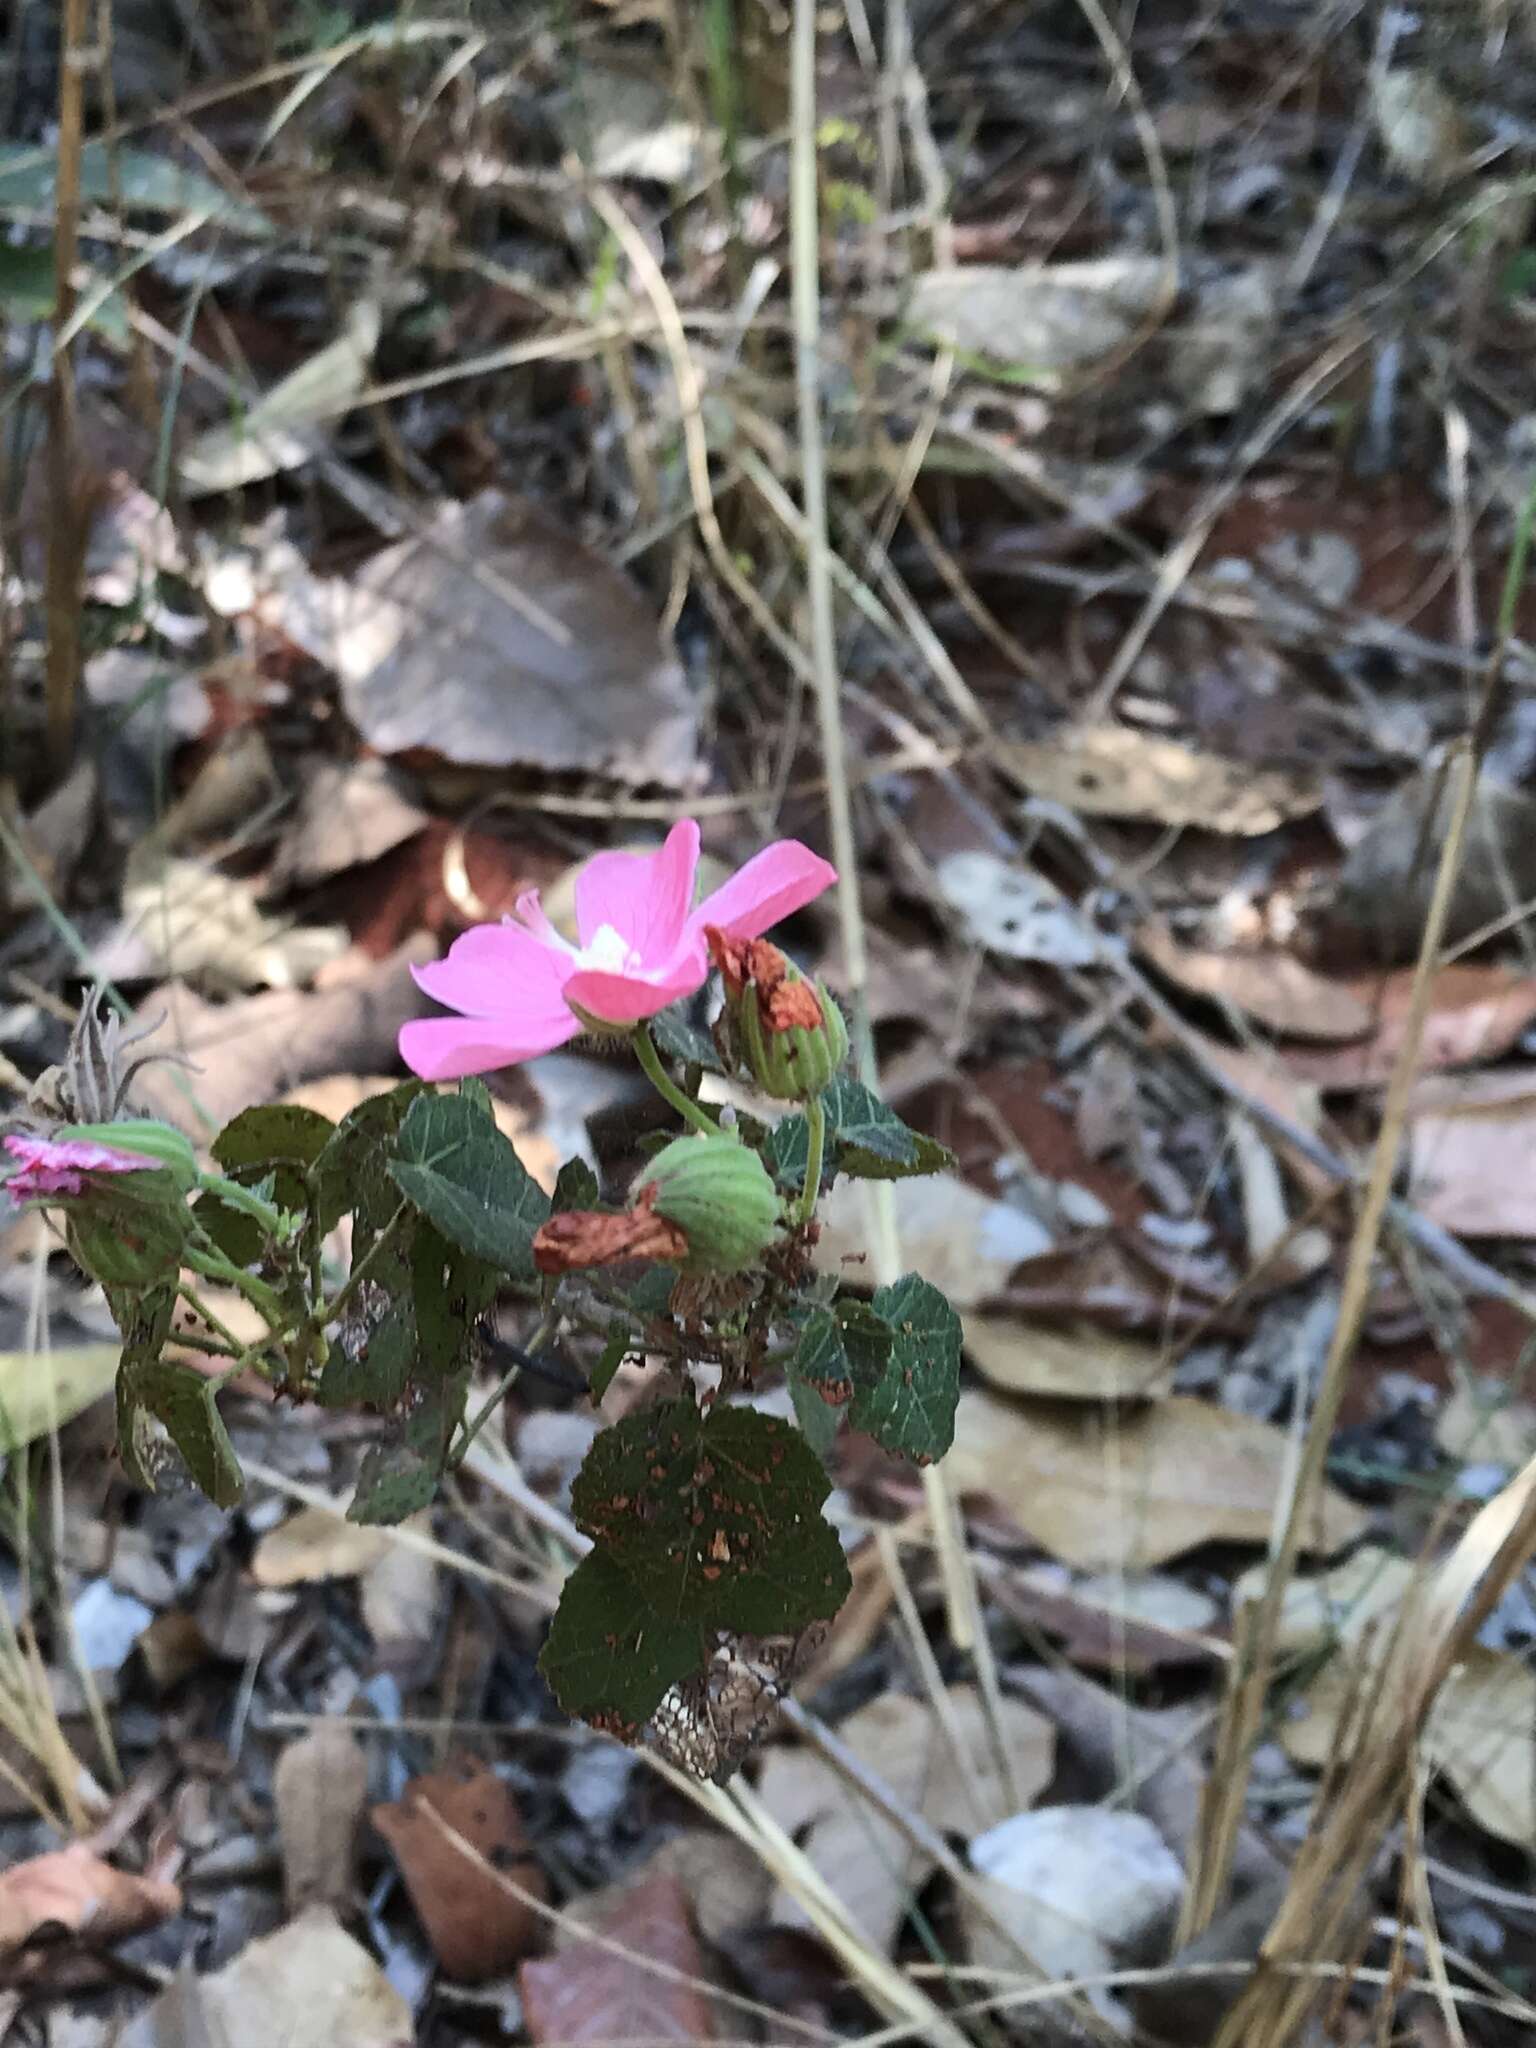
pixel 719 1195
pixel 151 1139
pixel 795 1064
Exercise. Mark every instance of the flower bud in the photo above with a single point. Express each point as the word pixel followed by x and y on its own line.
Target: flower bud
pixel 788 1034
pixel 162 1144
pixel 720 1197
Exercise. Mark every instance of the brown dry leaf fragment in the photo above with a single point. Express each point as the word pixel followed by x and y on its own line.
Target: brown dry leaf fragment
pixel 1376 914
pixel 1475 1014
pixel 257 1049
pixel 309 1985
pixel 315 1544
pixel 867 1861
pixel 182 917
pixel 1115 771
pixel 577 1238
pixel 588 1995
pixel 1471 1140
pixel 1047 318
pixel 965 1242
pixel 496 638
pixel 401 1595
pixel 1075 1362
pixel 350 813
pixel 1136 1623
pixel 319 1789
pixel 477 1927
pixel 1274 988
pixel 727 1885
pixel 1481 1732
pixel 73 1893
pixel 1106 1490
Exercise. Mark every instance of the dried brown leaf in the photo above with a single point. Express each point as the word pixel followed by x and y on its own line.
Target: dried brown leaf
pixel 1475 1014
pixel 1105 1489
pixel 1116 771
pixel 585 1995
pixel 315 1544
pixel 319 1789
pixel 1274 988
pixel 477 1927
pixel 73 1893
pixel 1074 1361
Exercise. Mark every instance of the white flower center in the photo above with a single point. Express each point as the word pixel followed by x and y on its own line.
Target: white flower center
pixel 607 951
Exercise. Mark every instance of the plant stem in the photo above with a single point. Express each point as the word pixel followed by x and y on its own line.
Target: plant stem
pixel 366 1266
pixel 667 1088
pixel 816 1125
pixel 483 1414
pixel 208 1260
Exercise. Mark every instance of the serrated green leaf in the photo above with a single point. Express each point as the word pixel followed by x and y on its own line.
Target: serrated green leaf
pixel 576 1187
pixel 819 1419
pixel 714 1518
pixel 460 1171
pixel 182 1400
pixel 683 1041
pixel 618 1347
pixel 133 1231
pixel 393 1481
pixel 864 1139
pixel 274 1141
pixel 353 1170
pixel 840 1347
pixel 610 1660
pixel 908 1403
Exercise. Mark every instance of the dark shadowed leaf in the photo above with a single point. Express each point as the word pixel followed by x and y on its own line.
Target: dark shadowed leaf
pixel 680 1040
pixel 575 1188
pixel 274 1142
pixel 608 1657
pixel 620 1343
pixel 907 1403
pixel 715 1517
pixel 459 1170
pixel 840 1348
pixel 864 1139
pixel 175 1396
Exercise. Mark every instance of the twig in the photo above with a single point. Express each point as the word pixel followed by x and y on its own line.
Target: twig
pixel 65 534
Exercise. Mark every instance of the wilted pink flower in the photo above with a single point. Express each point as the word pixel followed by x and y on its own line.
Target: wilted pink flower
pixel 641 948
pixel 58 1166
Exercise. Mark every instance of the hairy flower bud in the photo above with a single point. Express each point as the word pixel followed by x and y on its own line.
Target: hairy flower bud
pixel 720 1197
pixel 788 1034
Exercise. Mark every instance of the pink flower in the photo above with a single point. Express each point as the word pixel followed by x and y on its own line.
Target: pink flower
pixel 58 1166
pixel 642 947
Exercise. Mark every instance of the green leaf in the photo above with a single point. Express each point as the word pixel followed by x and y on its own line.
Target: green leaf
pixel 685 1042
pixel 29 292
pixel 608 1659
pixel 462 1173
pixel 576 1187
pixel 182 1400
pixel 908 1403
pixel 650 1294
pixel 865 1139
pixel 275 1141
pixel 819 1419
pixel 714 1518
pixel 618 1347
pixel 141 180
pixel 839 1347
pixel 393 1481
pixel 353 1170
pixel 133 1231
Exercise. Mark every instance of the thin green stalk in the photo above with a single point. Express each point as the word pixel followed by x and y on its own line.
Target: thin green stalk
pixel 487 1409
pixel 367 1265
pixel 816 1126
pixel 667 1088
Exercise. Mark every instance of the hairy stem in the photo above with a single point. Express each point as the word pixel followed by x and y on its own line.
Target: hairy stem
pixel 816 1125
pixel 667 1088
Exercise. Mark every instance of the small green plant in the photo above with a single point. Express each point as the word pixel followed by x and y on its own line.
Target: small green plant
pixel 712 1566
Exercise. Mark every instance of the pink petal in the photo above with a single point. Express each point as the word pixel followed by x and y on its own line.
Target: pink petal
pixel 781 879
pixel 536 918
pixel 447 1048
pixel 626 998
pixel 501 971
pixel 75 1155
pixel 644 896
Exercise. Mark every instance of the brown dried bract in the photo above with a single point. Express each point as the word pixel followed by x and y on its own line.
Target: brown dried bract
pixel 784 1001
pixel 581 1237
